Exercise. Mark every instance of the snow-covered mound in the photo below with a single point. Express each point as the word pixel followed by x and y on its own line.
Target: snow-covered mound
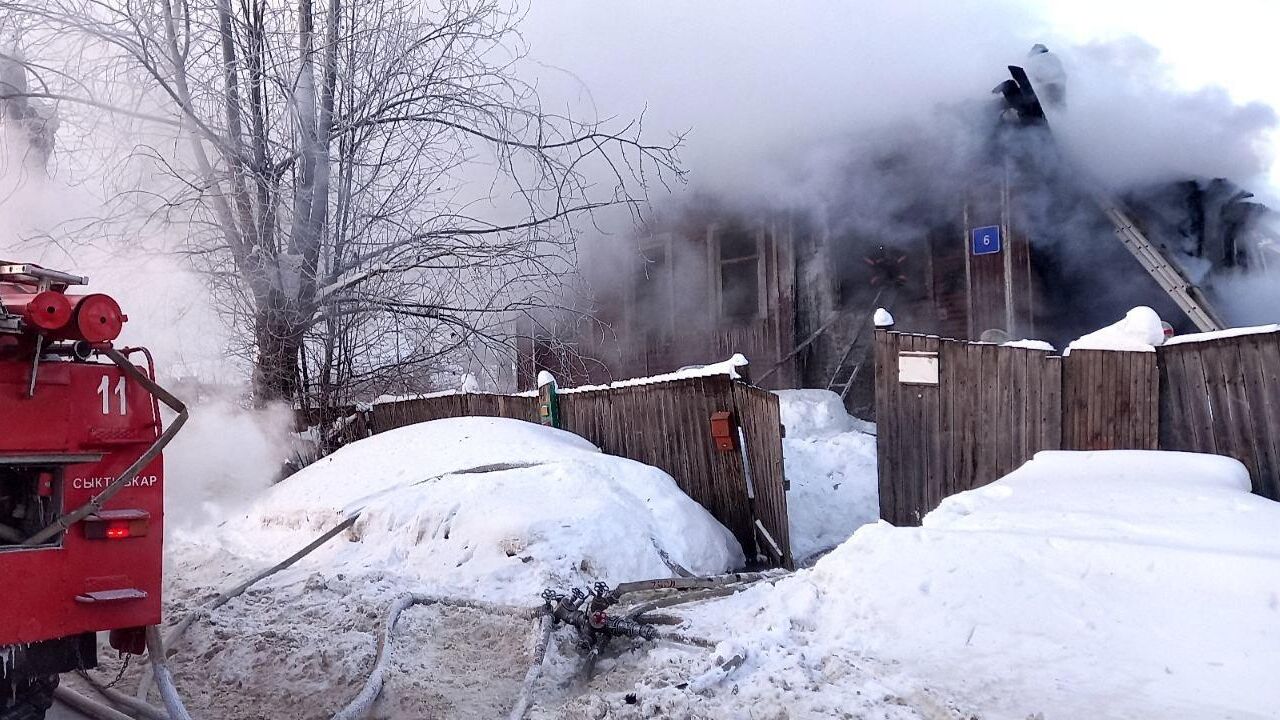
pixel 812 414
pixel 1139 331
pixel 488 507
pixel 1119 584
pixel 830 459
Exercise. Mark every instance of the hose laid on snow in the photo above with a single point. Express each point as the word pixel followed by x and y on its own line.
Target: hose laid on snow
pixel 361 704
pixel 178 630
pixel 88 706
pixel 164 680
pixel 125 701
pixel 546 625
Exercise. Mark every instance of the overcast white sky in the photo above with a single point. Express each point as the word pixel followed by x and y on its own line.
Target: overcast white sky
pixel 751 77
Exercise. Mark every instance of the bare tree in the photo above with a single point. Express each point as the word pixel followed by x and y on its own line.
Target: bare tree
pixel 369 185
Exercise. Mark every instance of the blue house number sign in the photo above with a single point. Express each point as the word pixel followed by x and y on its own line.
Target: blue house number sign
pixel 986 240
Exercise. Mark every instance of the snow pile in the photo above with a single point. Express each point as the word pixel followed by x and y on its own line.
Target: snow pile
pixel 1030 345
pixel 1229 332
pixel 830 460
pixel 1118 584
pixel 1139 331
pixel 487 507
pixel 882 318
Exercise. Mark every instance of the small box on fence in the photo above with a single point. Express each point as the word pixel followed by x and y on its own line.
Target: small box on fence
pixel 722 430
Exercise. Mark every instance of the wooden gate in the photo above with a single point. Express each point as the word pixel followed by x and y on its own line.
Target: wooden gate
pixel 990 409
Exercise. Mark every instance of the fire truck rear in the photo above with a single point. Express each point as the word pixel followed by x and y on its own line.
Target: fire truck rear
pixel 81 484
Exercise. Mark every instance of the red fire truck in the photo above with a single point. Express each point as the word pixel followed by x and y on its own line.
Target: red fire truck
pixel 81 484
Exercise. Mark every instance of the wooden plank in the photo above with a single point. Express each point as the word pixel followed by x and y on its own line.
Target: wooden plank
pixel 969 413
pixel 1207 440
pixel 1003 425
pixel 1219 400
pixel 1052 414
pixel 1070 409
pixel 884 421
pixel 1172 418
pixel 953 383
pixel 1236 421
pixel 909 491
pixel 934 429
pixel 1265 351
pixel 1021 397
pixel 989 409
pixel 1152 398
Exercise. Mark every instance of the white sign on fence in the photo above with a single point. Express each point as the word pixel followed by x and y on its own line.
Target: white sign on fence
pixel 918 368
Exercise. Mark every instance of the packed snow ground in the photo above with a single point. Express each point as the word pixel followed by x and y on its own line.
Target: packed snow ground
pixel 830 460
pixel 1120 584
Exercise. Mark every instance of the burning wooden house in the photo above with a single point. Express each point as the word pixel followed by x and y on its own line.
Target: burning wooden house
pixel 1017 245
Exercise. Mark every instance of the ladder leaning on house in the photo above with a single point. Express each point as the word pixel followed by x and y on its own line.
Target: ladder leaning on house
pixel 856 354
pixel 1165 273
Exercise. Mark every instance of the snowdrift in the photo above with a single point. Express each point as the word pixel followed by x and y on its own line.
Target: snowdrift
pixel 829 457
pixel 490 508
pixel 1121 584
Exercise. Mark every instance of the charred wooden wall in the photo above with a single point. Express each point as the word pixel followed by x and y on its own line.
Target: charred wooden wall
pixel 682 300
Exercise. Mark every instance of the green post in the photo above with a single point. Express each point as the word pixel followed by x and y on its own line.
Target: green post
pixel 548 399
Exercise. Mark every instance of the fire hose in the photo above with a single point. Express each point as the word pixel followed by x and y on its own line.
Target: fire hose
pixel 594 624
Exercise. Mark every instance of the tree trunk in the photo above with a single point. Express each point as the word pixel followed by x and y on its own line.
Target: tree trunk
pixel 276 370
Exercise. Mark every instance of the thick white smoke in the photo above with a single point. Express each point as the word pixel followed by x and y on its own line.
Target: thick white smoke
pixel 760 85
pixel 799 106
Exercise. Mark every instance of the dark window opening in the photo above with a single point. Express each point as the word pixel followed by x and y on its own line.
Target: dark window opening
pixel 740 289
pixel 739 273
pixel 30 500
pixel 737 243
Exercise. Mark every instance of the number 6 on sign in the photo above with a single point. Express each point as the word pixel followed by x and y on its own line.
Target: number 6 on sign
pixel 104 389
pixel 985 240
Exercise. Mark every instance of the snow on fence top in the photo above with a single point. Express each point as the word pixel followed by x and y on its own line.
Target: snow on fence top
pixel 728 367
pixel 1139 331
pixel 1220 334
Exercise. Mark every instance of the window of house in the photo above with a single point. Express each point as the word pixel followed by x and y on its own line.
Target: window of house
pixel 740 273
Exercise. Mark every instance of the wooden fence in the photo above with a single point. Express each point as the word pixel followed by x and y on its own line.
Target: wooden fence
pixel 667 425
pixel 1223 397
pixel 990 408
